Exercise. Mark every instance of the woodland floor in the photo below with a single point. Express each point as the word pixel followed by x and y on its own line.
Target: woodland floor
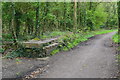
pixel 94 58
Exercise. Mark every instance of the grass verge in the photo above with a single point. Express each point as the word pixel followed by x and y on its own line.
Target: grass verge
pixel 116 40
pixel 71 40
pixel 67 40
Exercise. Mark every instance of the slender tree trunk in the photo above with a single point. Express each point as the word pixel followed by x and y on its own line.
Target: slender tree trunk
pixel 28 25
pixel 118 16
pixel 90 7
pixel 17 21
pixel 90 24
pixel 46 10
pixel 64 16
pixel 78 12
pixel 47 21
pixel 108 17
pixel 10 21
pixel 85 18
pixel 75 15
pixel 13 24
pixel 37 20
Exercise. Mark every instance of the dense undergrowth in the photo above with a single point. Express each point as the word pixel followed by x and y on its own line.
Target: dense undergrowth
pixel 67 40
pixel 73 39
pixel 116 40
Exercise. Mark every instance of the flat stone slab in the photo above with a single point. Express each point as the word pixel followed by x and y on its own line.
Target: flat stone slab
pixel 37 44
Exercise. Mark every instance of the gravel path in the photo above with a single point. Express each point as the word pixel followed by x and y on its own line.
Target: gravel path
pixel 92 59
pixel 11 68
pixel 0 66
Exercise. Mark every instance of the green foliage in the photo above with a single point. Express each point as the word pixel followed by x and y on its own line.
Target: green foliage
pixel 17 60
pixel 24 52
pixel 7 37
pixel 25 38
pixel 100 16
pixel 70 40
pixel 51 34
pixel 116 38
pixel 56 33
pixel 43 20
pixel 57 16
pixel 54 51
pixel 118 58
pixel 104 31
pixel 36 38
pixel 1 50
pixel 97 17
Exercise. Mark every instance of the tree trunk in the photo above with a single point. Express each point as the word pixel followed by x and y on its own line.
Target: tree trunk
pixel 17 21
pixel 90 23
pixel 90 7
pixel 75 15
pixel 64 16
pixel 13 24
pixel 118 16
pixel 78 12
pixel 37 21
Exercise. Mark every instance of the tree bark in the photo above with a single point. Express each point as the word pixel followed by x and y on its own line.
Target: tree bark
pixel 79 15
pixel 13 24
pixel 118 16
pixel 75 15
pixel 37 20
pixel 17 21
pixel 64 16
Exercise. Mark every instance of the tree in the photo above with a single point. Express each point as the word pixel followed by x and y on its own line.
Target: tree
pixel 37 20
pixel 34 19
pixel 75 15
pixel 118 16
pixel 13 23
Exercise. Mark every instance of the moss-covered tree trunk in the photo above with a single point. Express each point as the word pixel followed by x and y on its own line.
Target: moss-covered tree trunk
pixel 37 20
pixel 13 24
pixel 118 4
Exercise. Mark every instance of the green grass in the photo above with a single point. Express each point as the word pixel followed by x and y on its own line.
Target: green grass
pixel 71 40
pixel 103 31
pixel 67 39
pixel 115 38
pixel 50 35
pixel 118 58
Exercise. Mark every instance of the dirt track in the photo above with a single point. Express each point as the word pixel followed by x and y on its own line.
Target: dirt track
pixel 92 59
